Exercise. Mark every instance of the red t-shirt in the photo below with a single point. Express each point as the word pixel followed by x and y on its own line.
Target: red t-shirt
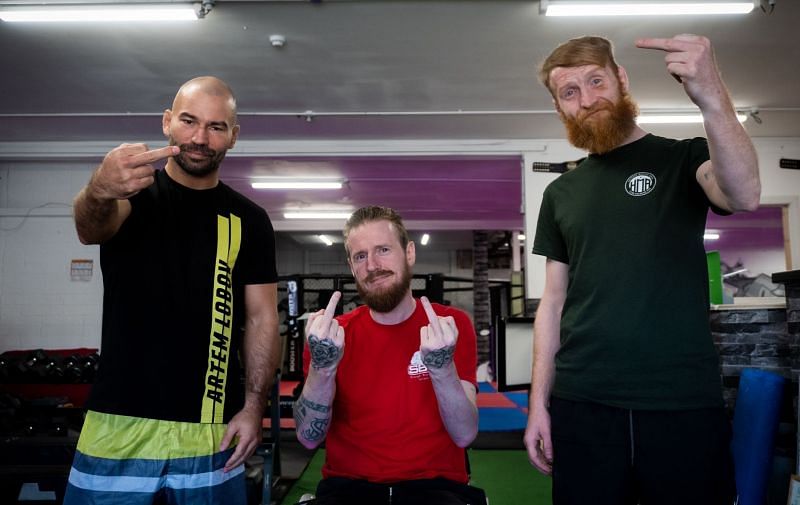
pixel 386 425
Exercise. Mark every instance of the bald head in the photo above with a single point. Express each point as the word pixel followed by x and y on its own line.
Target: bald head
pixel 207 85
pixel 203 123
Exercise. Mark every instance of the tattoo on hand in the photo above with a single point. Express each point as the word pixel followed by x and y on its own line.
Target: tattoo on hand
pixel 440 357
pixel 317 429
pixel 324 353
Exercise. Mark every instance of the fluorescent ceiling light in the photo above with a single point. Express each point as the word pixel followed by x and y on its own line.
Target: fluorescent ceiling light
pixel 642 8
pixel 656 118
pixel 316 214
pixel 278 183
pixel 100 13
pixel 711 236
pixel 327 241
pixel 425 239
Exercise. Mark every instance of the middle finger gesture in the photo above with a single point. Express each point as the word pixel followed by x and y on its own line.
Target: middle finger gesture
pixel 325 337
pixel 437 340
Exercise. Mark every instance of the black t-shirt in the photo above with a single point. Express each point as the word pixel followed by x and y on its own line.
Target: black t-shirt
pixel 173 302
pixel 634 327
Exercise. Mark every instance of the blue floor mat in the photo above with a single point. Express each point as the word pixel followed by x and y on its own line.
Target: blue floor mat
pixel 501 411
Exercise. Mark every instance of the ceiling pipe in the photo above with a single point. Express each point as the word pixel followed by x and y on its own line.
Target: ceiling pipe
pixel 312 114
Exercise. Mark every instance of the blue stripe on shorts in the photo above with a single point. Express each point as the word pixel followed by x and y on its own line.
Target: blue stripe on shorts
pixel 198 480
pixel 232 491
pixel 121 476
pixel 149 467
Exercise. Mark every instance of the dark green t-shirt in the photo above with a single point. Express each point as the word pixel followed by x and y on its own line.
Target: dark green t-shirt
pixel 634 328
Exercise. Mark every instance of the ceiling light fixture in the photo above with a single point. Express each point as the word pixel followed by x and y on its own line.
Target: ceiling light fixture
pixel 675 118
pixel 711 236
pixel 279 183
pixel 316 214
pixel 642 8
pixel 277 40
pixel 734 273
pixel 425 239
pixel 325 240
pixel 101 13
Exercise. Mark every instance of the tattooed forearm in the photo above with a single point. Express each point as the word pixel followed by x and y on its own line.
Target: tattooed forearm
pixel 324 353
pixel 301 407
pixel 439 358
pixel 313 405
pixel 317 429
pixel 299 413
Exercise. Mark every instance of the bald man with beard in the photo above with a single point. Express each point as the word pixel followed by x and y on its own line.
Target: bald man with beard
pixel 626 401
pixel 189 302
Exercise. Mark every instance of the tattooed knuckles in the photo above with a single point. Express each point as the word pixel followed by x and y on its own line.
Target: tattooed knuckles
pixel 437 339
pixel 437 350
pixel 325 337
pixel 325 353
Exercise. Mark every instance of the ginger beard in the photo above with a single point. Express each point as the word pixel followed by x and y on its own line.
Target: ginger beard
pixel 384 299
pixel 603 127
pixel 195 167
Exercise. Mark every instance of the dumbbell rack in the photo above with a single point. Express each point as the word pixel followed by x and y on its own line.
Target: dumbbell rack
pixel 43 416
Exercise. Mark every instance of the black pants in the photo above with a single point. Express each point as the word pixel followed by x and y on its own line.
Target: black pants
pixel 340 491
pixel 609 456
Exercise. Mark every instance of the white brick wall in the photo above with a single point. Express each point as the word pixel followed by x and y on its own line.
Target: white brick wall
pixel 40 306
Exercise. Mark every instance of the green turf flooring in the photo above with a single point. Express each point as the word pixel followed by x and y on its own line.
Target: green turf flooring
pixel 506 476
pixel 307 483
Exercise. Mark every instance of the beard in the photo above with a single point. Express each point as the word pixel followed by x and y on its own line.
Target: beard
pixel 197 168
pixel 597 134
pixel 388 298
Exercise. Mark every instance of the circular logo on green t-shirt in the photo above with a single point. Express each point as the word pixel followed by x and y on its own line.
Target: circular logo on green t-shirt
pixel 640 183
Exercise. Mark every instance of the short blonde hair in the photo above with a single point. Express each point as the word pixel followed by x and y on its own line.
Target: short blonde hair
pixel 376 213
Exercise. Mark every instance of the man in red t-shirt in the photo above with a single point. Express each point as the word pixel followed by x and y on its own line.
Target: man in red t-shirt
pixel 391 385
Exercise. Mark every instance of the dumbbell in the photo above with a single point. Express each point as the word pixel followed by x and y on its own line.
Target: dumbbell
pixel 53 370
pixel 32 367
pixel 73 371
pixel 89 365
pixel 5 368
pixel 35 357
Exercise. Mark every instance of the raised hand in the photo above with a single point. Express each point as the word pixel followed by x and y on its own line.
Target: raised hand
pixel 437 340
pixel 325 337
pixel 126 170
pixel 690 59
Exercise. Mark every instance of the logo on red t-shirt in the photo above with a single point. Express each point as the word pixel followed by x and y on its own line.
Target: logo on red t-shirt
pixel 417 369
